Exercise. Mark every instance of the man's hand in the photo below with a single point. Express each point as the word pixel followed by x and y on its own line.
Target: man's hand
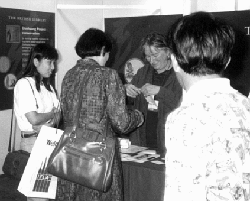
pixel 132 90
pixel 149 89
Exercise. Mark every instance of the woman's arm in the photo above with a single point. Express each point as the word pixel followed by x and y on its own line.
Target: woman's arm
pixel 36 118
pixel 122 119
pixel 171 93
pixel 26 104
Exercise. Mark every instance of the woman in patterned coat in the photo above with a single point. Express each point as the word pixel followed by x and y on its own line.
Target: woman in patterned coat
pixel 103 100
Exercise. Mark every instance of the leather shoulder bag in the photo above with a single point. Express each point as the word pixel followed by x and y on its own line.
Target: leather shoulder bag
pixel 82 155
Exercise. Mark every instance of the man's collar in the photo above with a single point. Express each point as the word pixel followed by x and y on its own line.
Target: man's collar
pixel 208 86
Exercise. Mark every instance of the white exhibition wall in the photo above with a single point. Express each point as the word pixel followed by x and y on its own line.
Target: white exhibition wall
pixel 71 22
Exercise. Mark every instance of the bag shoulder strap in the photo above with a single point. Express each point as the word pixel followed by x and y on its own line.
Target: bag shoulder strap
pixel 11 148
pixel 32 92
pixel 79 102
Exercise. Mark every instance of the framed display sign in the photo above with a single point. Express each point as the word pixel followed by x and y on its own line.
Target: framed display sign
pixel 20 30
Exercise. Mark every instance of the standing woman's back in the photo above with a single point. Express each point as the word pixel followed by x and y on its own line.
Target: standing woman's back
pixel 103 101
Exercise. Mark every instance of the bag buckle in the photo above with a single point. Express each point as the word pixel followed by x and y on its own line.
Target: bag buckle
pixel 103 145
pixel 73 134
pixel 99 161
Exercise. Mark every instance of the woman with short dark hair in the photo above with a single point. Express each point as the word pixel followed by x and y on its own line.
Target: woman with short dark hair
pixel 103 100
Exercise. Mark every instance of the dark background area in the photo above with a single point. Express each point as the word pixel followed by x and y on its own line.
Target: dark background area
pixel 238 70
pixel 128 32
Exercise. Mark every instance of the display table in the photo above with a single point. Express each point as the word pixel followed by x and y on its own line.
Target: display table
pixel 143 174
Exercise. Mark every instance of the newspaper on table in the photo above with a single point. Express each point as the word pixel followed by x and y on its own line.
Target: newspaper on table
pixel 36 181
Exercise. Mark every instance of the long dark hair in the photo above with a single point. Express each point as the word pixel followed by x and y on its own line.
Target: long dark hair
pixel 39 52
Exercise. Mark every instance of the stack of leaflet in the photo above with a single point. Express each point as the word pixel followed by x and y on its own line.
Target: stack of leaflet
pixel 124 143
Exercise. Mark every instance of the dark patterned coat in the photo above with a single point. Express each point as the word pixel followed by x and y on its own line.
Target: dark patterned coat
pixel 103 100
pixel 169 97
